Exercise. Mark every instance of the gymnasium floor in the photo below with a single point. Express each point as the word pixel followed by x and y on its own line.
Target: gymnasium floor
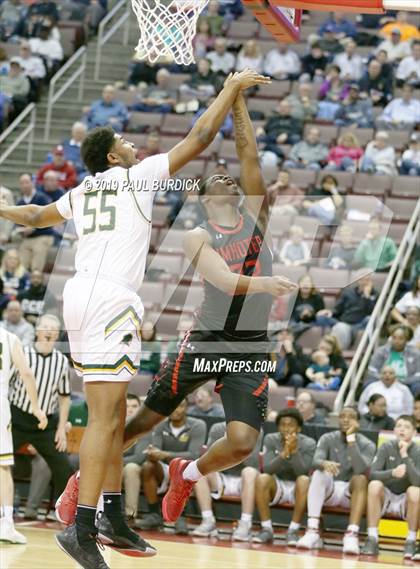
pixel 176 552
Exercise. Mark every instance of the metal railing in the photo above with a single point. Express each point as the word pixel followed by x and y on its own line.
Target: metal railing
pixel 27 133
pixel 118 16
pixel 370 337
pixel 77 60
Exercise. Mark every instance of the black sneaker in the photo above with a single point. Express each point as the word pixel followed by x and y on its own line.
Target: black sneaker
pixel 150 522
pixel 86 555
pixel 181 527
pixel 126 542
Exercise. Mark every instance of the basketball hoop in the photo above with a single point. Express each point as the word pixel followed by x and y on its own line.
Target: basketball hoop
pixel 167 28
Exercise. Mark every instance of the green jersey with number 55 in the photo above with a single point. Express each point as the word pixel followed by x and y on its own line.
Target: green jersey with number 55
pixel 112 213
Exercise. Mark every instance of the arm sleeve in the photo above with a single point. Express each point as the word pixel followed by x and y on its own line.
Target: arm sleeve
pixel 377 472
pixel 64 384
pixel 321 452
pixel 413 471
pixel 64 205
pixel 196 442
pixel 157 437
pixel 217 431
pixel 270 457
pixel 361 455
pixel 375 364
pixel 138 456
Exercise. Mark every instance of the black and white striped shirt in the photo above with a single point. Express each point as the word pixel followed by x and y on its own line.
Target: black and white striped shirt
pixel 52 379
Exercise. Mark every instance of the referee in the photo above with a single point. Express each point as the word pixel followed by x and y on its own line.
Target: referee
pixel 50 368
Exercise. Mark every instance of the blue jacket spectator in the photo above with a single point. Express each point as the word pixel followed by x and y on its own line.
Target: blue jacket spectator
pixel 72 147
pixel 354 110
pixel 339 26
pixel 107 111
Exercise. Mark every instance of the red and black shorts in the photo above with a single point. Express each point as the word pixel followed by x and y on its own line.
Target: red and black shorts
pixel 243 390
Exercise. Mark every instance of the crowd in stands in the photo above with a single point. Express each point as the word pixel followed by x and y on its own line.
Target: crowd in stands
pixel 368 100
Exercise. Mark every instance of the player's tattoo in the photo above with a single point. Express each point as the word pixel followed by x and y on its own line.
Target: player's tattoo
pixel 205 135
pixel 240 127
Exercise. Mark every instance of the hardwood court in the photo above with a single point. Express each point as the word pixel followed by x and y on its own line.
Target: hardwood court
pixel 185 553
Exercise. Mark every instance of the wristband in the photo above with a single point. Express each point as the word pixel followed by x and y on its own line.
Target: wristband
pixel 351 438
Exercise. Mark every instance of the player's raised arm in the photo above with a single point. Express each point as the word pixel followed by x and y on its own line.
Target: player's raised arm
pixel 31 215
pixel 213 268
pixel 252 181
pixel 209 124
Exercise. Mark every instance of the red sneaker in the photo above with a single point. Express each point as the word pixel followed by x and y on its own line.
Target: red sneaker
pixel 66 505
pixel 179 490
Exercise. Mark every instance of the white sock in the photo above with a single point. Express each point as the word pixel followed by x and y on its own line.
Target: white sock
pixel 191 472
pixel 100 505
pixel 412 536
pixel 313 524
pixel 373 532
pixel 247 518
pixel 207 515
pixel 353 528
pixel 7 513
pixel 267 524
pixel 294 526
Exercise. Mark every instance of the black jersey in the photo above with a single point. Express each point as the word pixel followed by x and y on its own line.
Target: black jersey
pixel 238 317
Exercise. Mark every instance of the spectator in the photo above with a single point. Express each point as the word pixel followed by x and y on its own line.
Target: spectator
pixel 50 368
pixel 309 153
pixel 4 62
pixel 6 226
pixel 410 299
pixel 36 242
pixel 352 311
pixel 404 359
pixel 202 84
pixel 159 98
pixel 152 146
pixel 15 88
pixel 341 460
pixel 11 14
pixel 37 299
pixel 408 70
pixel 403 112
pixel 387 66
pixel 376 418
pixel 407 31
pixel 321 374
pixel 416 412
pixel 51 185
pixel 215 19
pixel 376 251
pixel 203 40
pixel 65 172
pixel 204 406
pixel 177 436
pixel 108 111
pixel 4 298
pixel 14 322
pixel 354 110
pixel 305 404
pixel 39 11
pixel 303 107
pixel 332 92
pixel 232 9
pixel 350 63
pixel 282 63
pixel 331 346
pixel 346 154
pixel 141 72
pixel 314 63
pixel 341 254
pixel 87 11
pixel 286 197
pixel 222 61
pixel 281 127
pixel 227 126
pixel 13 273
pixel 32 65
pixel 309 306
pixel 71 149
pixel 410 159
pixel 287 460
pixel 394 47
pixel 413 322
pixel 329 44
pixel 379 157
pixel 394 486
pixel 294 250
pixel 340 26
pixel 399 400
pixel 250 57
pixel 47 45
pixel 324 203
pixel 150 353
pixel 238 481
pixel 376 85
pixel 290 359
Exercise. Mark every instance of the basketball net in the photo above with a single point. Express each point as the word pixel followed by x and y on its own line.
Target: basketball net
pixel 167 28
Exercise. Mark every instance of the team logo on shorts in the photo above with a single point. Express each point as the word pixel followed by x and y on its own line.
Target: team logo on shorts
pixel 128 338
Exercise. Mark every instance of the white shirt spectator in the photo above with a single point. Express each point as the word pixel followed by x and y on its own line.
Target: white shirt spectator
pixel 399 399
pixel 33 67
pixel 224 63
pixel 279 64
pixel 384 158
pixel 351 68
pixel 255 63
pixel 394 51
pixel 50 48
pixel 401 111
pixel 407 301
pixel 408 67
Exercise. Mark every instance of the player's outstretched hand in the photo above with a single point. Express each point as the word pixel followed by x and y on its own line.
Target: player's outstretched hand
pixel 247 78
pixel 277 286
